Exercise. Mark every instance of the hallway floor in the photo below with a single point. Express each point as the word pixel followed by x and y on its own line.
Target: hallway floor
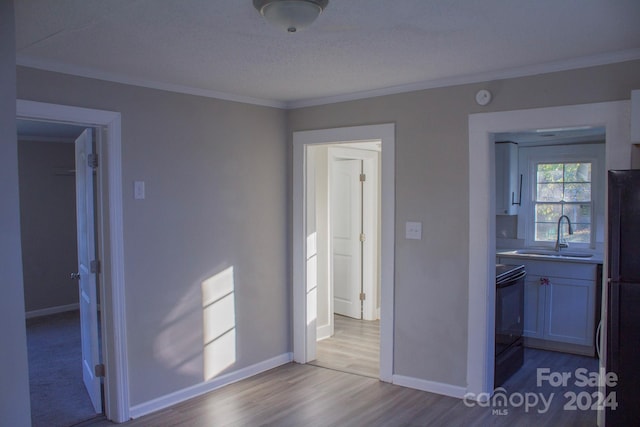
pixel 354 347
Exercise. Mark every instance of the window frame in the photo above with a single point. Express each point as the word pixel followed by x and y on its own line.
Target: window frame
pixel 530 157
pixel 535 202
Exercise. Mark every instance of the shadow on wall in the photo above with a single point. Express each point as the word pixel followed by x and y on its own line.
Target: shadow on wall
pixel 210 350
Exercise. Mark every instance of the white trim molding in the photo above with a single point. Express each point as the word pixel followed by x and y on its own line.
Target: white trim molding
pixel 386 134
pixel 614 116
pixel 509 73
pixel 51 310
pixel 112 295
pixel 205 387
pixel 531 70
pixel 430 386
pixel 93 73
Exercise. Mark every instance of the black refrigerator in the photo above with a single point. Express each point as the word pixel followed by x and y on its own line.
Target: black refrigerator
pixel 623 311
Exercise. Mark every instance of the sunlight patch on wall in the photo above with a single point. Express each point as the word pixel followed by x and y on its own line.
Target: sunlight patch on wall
pixel 312 279
pixel 219 316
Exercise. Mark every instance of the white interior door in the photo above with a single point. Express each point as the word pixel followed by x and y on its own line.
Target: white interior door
pixel 346 228
pixel 87 268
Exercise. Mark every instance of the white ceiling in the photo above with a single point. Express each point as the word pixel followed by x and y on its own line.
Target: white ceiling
pixel 357 48
pixel 581 135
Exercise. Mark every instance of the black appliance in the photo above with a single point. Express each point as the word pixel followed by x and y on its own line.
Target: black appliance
pixel 623 288
pixel 509 321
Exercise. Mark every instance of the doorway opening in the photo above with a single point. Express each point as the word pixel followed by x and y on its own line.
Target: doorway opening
pixel 343 216
pixel 322 257
pixel 563 182
pixel 61 305
pixel 482 225
pixel 109 226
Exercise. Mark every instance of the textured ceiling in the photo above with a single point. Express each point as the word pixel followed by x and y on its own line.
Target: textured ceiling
pixel 357 48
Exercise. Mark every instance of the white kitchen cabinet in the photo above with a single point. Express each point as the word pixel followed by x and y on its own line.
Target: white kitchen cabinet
pixel 507 178
pixel 570 311
pixel 560 309
pixel 559 302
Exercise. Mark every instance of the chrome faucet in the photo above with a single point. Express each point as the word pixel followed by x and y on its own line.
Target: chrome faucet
pixel 560 242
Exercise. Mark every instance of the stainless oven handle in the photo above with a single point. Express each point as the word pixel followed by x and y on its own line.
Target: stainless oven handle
pixel 512 280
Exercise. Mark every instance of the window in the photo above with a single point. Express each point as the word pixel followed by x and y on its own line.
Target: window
pixel 563 189
pixel 562 179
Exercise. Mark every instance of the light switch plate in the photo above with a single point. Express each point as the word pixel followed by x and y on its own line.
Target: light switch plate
pixel 138 190
pixel 413 230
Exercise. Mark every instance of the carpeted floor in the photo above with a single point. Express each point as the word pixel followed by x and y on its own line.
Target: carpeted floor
pixel 58 395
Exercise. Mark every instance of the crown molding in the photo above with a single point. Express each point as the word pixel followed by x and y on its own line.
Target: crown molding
pixel 530 70
pixel 47 65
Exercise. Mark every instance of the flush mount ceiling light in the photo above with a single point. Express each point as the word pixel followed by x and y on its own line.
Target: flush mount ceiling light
pixel 290 15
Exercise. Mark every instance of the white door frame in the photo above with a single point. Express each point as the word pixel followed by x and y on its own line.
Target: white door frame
pixel 111 248
pixel 386 134
pixel 482 127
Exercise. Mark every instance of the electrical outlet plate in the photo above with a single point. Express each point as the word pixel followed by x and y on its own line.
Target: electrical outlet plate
pixel 138 190
pixel 413 230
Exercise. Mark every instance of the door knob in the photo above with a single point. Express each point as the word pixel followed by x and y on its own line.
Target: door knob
pixel 75 276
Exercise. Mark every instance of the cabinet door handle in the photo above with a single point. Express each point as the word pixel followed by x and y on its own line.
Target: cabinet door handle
pixel 544 281
pixel 513 196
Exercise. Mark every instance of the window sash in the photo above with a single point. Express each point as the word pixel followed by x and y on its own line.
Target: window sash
pixel 551 192
pixel 546 217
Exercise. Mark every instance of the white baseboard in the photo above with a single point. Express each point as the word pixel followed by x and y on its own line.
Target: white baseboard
pixel 323 332
pixel 52 310
pixel 165 401
pixel 430 386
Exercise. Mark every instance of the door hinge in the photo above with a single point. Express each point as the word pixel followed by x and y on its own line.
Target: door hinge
pixel 92 160
pixel 95 266
pixel 98 370
pixel 363 177
pixel 363 296
pixel 363 237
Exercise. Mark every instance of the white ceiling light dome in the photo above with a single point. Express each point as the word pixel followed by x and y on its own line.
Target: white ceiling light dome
pixel 290 15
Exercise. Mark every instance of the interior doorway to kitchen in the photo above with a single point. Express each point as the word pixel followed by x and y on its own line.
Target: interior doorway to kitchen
pixel 562 175
pixel 318 252
pixel 482 227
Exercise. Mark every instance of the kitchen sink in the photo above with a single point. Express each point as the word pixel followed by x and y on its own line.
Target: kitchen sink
pixel 546 252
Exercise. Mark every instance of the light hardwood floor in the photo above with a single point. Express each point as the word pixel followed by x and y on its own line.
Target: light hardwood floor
pixel 304 395
pixel 354 347
pixel 307 395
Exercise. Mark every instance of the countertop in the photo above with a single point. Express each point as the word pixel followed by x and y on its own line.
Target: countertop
pixel 549 255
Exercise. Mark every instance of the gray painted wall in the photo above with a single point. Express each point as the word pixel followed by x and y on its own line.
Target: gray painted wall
pixel 48 223
pixel 216 180
pixel 218 175
pixel 14 399
pixel 432 186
